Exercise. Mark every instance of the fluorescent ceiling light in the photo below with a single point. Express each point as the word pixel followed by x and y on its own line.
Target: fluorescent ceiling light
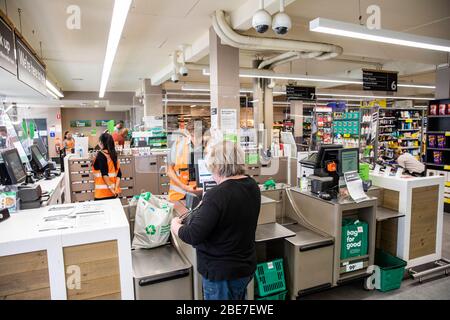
pixel 52 94
pixel 420 86
pixel 292 77
pixel 371 96
pixel 387 36
pixel 119 17
pixel 192 101
pixel 52 88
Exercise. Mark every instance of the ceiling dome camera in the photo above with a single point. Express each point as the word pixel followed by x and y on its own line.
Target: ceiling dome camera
pixel 261 21
pixel 184 71
pixel 281 23
pixel 175 78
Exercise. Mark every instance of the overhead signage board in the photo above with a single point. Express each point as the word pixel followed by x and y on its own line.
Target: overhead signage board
pixel 101 123
pixel 300 93
pixel 374 80
pixel 7 55
pixel 29 69
pixel 80 123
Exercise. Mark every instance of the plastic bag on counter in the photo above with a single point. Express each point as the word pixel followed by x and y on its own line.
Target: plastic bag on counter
pixel 152 224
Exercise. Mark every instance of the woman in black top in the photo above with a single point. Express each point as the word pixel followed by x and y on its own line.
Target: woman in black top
pixel 223 230
pixel 106 162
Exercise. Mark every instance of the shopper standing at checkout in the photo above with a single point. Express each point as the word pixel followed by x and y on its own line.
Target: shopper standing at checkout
pixel 118 133
pixel 180 165
pixel 223 228
pixel 106 170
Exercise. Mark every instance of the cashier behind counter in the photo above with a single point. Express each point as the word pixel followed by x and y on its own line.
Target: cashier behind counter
pixel 408 162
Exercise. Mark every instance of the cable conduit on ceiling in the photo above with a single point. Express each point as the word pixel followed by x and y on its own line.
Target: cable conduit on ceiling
pixel 232 38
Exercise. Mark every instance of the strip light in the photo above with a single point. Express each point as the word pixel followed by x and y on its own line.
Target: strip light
pixel 52 94
pixel 371 96
pixel 53 90
pixel 119 17
pixel 269 75
pixel 386 36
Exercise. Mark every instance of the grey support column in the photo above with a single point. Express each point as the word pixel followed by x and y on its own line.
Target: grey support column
pixel 297 115
pixel 153 100
pixel 443 83
pixel 225 84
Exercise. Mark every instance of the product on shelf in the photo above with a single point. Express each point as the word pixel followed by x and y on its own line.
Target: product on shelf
pixel 433 110
pixel 437 157
pixel 441 141
pixel 448 109
pixel 432 141
pixel 442 109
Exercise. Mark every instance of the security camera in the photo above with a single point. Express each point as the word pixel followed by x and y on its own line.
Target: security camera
pixel 175 78
pixel 184 71
pixel 261 21
pixel 281 23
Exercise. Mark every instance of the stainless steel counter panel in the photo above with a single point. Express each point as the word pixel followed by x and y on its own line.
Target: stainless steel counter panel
pixel 306 239
pixel 272 231
pixel 161 274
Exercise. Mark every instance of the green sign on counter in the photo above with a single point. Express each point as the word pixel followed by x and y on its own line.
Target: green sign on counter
pixel 101 123
pixel 81 124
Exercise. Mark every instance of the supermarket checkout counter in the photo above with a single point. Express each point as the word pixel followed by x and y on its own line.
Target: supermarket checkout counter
pixel 67 252
pixel 416 236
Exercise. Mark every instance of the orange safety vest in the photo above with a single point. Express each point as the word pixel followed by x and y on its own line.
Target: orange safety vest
pixel 70 144
pixel 101 188
pixel 182 158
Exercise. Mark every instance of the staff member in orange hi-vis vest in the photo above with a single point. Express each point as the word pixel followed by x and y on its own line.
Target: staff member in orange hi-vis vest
pixel 106 170
pixel 181 160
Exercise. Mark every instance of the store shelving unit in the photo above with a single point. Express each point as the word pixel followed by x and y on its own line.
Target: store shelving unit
pixel 438 143
pixel 323 118
pixel 401 128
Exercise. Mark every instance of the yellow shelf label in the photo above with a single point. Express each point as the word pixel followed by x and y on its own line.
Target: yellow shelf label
pixel 447 184
pixel 447 134
pixel 447 200
pixel 446 167
pixel 408 120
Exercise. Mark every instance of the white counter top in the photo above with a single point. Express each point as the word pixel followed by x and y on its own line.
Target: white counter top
pixel 395 183
pixel 20 234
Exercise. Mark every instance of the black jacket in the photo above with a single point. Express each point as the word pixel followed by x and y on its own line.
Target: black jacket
pixel 223 230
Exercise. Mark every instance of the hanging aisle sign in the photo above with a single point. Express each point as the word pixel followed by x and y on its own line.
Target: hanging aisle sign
pixel 375 80
pixel 300 93
pixel 30 71
pixel 7 56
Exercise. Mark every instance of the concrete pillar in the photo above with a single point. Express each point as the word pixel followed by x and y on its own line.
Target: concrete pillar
pixel 268 114
pixel 297 115
pixel 153 100
pixel 443 83
pixel 225 85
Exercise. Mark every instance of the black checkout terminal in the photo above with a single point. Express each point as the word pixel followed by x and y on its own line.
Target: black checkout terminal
pixel 331 163
pixel 13 174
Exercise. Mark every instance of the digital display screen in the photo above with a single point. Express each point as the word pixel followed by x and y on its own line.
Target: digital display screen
pixel 15 163
pixel 37 156
pixel 203 173
pixel 349 161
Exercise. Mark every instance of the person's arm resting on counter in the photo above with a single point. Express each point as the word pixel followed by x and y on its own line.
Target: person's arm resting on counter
pixel 202 224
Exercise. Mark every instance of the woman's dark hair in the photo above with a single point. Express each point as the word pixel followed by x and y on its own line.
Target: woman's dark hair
pixel 108 143
pixel 65 135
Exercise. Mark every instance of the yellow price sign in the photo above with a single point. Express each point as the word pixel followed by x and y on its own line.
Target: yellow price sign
pixel 447 134
pixel 408 121
pixel 446 167
pixel 347 135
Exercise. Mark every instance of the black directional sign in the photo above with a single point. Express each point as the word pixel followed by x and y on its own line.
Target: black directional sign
pixel 375 80
pixel 300 93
